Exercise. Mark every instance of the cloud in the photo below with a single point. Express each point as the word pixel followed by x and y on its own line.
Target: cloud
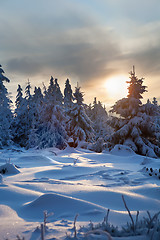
pixel 24 66
pixel 58 37
pixel 143 49
pixel 85 42
pixel 147 60
pixel 82 53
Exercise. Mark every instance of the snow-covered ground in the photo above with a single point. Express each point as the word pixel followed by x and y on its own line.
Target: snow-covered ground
pixel 70 182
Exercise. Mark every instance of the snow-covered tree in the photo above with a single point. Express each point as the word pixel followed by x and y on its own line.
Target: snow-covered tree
pixel 48 124
pixel 50 92
pixel 88 110
pixel 79 125
pixel 19 97
pixel 30 109
pixel 5 112
pixel 37 109
pixel 68 96
pixel 58 93
pixel 19 130
pixel 150 108
pixel 130 106
pixel 53 94
pixel 37 102
pixel 52 97
pixel 78 96
pixel 99 118
pixel 135 127
pixel 28 90
pixel 50 132
pixel 155 102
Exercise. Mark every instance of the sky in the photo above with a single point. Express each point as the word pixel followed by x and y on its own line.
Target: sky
pixel 92 42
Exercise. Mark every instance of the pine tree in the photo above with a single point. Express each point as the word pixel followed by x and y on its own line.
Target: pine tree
pixel 52 97
pixel 135 127
pixel 37 102
pixel 5 112
pixel 135 89
pixel 78 96
pixel 58 94
pixel 94 110
pixel 154 101
pixel 29 110
pixel 48 101
pixel 130 106
pixel 20 133
pixel 50 94
pixel 50 130
pixel 19 97
pixel 79 125
pixel 100 119
pixel 68 97
pixel 37 109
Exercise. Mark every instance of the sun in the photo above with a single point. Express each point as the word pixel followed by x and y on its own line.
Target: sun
pixel 116 87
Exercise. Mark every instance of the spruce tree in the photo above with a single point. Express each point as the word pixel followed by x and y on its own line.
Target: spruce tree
pixel 50 131
pixel 52 97
pixel 58 93
pixel 155 102
pixel 20 133
pixel 68 96
pixel 19 97
pixel 5 112
pixel 100 119
pixel 37 110
pixel 130 106
pixel 29 110
pixel 135 127
pixel 79 125
pixel 37 102
pixel 50 93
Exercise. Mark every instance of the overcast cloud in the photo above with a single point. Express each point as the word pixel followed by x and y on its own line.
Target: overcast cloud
pixel 87 41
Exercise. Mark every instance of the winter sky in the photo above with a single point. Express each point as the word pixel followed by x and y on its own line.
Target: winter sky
pixel 93 42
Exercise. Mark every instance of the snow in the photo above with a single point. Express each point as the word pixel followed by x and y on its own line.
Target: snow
pixel 122 150
pixel 74 181
pixel 9 168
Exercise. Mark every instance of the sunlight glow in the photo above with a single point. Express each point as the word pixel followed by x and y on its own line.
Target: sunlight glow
pixel 117 87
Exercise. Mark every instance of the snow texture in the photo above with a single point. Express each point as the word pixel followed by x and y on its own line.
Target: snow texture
pixel 75 181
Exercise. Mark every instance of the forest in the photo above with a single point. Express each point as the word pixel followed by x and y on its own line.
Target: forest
pixel 47 118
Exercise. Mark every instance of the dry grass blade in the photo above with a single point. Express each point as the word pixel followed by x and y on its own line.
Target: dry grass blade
pixel 74 226
pixel 129 213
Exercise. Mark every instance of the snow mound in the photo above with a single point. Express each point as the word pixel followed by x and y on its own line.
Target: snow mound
pixel 6 211
pixel 122 150
pixel 8 168
pixel 62 206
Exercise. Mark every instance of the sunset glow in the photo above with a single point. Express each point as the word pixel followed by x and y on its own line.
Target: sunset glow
pixel 116 87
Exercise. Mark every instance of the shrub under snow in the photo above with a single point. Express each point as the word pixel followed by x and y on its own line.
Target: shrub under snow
pixel 9 168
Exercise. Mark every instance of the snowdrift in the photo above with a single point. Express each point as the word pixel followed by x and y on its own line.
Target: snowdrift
pixel 62 207
pixel 122 150
pixel 75 181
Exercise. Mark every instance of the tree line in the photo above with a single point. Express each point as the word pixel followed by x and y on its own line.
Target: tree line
pixel 49 118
